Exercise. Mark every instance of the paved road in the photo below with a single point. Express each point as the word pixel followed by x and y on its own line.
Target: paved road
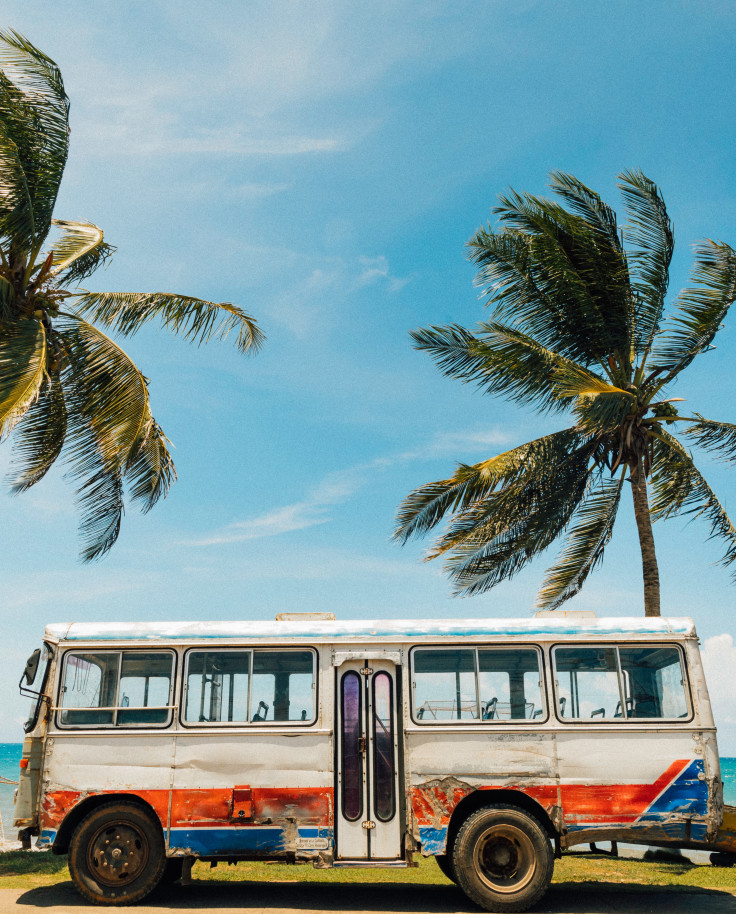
pixel 311 898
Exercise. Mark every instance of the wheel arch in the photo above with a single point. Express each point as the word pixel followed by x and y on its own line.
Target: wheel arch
pixel 83 808
pixel 480 798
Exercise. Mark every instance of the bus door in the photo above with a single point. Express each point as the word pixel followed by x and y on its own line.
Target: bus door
pixel 367 783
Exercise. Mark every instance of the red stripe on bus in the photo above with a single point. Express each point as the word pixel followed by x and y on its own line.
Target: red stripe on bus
pixel 581 803
pixel 203 807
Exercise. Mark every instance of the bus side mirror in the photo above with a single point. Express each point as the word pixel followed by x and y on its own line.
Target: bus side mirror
pixel 29 673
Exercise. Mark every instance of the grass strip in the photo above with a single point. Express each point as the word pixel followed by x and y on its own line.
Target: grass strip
pixel 24 869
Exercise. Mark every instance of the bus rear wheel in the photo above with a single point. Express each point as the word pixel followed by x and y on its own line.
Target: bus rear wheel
pixel 503 858
pixel 116 854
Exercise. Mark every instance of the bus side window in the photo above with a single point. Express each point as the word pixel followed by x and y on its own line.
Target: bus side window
pixel 509 684
pixel 588 683
pixel 444 684
pixel 145 687
pixel 283 686
pixel 89 683
pixel 116 688
pixel 655 682
pixel 217 686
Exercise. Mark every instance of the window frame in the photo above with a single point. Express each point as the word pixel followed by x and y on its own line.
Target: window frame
pixel 624 719
pixel 479 722
pixel 114 725
pixel 194 725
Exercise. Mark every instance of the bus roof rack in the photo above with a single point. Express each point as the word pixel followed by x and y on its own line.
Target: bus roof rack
pixel 305 617
pixel 563 614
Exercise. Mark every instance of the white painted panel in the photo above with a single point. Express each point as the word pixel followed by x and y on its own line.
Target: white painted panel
pixel 101 762
pixel 257 759
pixel 480 758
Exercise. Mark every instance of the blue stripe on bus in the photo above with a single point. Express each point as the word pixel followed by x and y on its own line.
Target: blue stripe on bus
pixel 434 840
pixel 687 795
pixel 46 838
pixel 255 839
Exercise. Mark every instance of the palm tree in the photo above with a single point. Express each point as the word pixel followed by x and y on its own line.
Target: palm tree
pixel 579 325
pixel 66 389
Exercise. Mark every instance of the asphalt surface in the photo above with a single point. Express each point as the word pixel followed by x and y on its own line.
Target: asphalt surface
pixel 314 898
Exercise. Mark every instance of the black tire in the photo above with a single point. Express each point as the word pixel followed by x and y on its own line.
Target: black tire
pixel 116 854
pixel 503 858
pixel 173 870
pixel 444 862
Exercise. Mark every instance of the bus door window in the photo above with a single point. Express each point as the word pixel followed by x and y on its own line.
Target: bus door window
pixel 351 746
pixel 384 773
pixel 588 683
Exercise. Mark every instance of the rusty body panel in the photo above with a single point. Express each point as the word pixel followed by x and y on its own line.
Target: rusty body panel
pixel 268 791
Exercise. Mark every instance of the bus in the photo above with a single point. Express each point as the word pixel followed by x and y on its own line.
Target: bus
pixel 491 745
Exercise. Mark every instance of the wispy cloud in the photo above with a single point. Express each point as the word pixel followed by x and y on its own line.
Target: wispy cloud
pixel 326 283
pixel 336 488
pixel 339 487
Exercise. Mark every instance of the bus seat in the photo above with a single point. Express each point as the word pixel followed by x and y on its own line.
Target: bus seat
pixel 599 712
pixel 258 716
pixel 489 709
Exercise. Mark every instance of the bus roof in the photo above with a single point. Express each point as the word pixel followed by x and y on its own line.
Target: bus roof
pixel 370 631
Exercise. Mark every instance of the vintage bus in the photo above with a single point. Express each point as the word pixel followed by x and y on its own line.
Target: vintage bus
pixel 492 745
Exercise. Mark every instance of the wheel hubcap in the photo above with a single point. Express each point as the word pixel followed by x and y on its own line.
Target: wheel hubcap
pixel 504 858
pixel 117 853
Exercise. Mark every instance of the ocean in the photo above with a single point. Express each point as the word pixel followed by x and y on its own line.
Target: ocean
pixel 10 756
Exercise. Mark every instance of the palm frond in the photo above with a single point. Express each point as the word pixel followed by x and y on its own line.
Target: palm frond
pixel 590 533
pixel 717 437
pixel 16 208
pixel 701 309
pixel 651 245
pixel 588 204
pixel 498 359
pixel 150 470
pixel 193 318
pixel 100 502
pixel 572 380
pixel 470 485
pixel 35 114
pixel 7 297
pixel 39 437
pixel 79 250
pixel 492 541
pixel 679 488
pixel 603 413
pixel 580 265
pixel 22 369
pixel 112 436
pixel 103 385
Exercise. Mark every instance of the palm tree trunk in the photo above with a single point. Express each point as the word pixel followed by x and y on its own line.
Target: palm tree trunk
pixel 646 541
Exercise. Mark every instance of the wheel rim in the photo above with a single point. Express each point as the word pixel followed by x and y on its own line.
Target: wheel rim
pixel 117 853
pixel 504 858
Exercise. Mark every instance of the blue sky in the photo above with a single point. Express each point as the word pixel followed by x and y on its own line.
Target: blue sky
pixel 322 165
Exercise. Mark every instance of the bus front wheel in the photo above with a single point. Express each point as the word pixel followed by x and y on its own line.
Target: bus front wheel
pixel 116 855
pixel 503 858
